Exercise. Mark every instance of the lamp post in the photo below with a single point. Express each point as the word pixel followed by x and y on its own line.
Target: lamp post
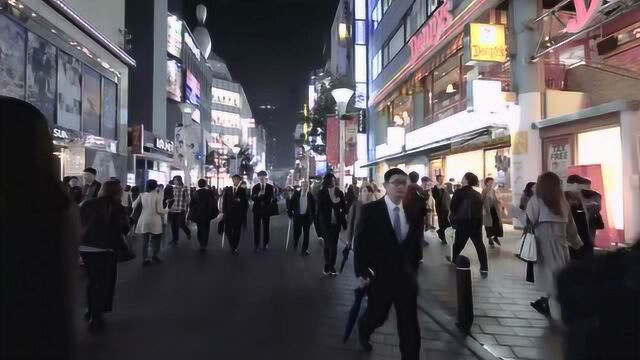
pixel 236 150
pixel 342 97
pixel 187 110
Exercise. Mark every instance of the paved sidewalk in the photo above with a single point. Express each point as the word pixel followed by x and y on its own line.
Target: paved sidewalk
pixel 272 305
pixel 504 322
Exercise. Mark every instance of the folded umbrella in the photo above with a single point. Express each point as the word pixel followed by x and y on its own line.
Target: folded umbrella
pixel 286 244
pixel 345 256
pixel 359 292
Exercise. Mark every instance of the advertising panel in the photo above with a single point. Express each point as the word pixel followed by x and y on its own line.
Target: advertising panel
pixel 174 36
pixel 559 157
pixel 226 119
pixel 486 43
pixel 91 102
pixel 41 75
pixel 225 97
pixel 192 89
pixel 333 140
pixel 109 108
pixel 12 74
pixel 174 80
pixel 69 91
pixel 351 141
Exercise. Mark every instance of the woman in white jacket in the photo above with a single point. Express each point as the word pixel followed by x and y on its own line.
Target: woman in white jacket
pixel 150 222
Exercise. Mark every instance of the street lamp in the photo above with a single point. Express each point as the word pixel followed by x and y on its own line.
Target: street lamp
pixel 342 97
pixel 236 150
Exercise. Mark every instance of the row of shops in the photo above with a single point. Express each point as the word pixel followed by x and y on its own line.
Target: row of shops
pixel 507 90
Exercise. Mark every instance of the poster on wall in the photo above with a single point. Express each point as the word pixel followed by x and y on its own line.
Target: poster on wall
pixel 12 58
pixel 109 108
pixel 174 80
pixel 351 141
pixel 91 101
pixel 559 157
pixel 192 89
pixel 333 140
pixel 174 36
pixel 69 91
pixel 41 75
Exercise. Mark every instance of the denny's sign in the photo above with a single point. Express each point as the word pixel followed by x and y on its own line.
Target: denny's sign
pixel 431 33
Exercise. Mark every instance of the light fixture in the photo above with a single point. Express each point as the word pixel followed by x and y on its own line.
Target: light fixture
pixel 73 43
pixel 187 108
pixel 450 89
pixel 342 97
pixel 33 14
pixel 54 31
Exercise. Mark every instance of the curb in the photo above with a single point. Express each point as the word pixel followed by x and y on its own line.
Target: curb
pixel 447 323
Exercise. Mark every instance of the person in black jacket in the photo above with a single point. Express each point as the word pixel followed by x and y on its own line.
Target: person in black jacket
pixel 105 223
pixel 386 258
pixel 442 200
pixel 203 209
pixel 300 208
pixel 332 215
pixel 466 218
pixel 262 195
pixel 91 185
pixel 234 209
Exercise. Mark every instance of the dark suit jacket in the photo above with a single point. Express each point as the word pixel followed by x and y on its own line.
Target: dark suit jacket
pixel 293 204
pixel 204 206
pixel 91 191
pixel 261 203
pixel 235 205
pixel 376 246
pixel 441 198
pixel 325 207
pixel 415 201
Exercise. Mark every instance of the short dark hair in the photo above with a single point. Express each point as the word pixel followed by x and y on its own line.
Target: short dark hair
pixel 262 173
pixel 577 179
pixel 392 172
pixel 151 185
pixel 202 183
pixel 111 189
pixel 326 178
pixel 425 179
pixel 414 177
pixel 91 170
pixel 472 179
pixel 127 188
pixel 177 179
pixel 487 179
pixel 237 176
pixel 440 176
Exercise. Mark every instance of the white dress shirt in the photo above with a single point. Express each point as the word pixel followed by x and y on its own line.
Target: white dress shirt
pixel 404 225
pixel 303 203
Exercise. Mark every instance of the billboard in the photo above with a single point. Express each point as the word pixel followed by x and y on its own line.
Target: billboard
pixel 174 80
pixel 69 91
pixel 41 75
pixel 192 89
pixel 12 74
pixel 174 36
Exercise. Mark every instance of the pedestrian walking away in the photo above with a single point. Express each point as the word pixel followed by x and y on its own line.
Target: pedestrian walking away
pixel 105 225
pixel 150 222
pixel 300 209
pixel 491 212
pixel 466 219
pixel 386 258
pixel 178 212
pixel 442 202
pixel 415 202
pixel 203 209
pixel 331 218
pixel 262 196
pixel 234 209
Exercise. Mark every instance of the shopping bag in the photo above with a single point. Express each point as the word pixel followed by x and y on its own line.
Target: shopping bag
pixel 450 235
pixel 430 236
pixel 527 250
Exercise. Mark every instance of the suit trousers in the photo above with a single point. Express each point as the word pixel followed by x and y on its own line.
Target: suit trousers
pixel 467 231
pixel 233 231
pixel 301 225
pixel 402 294
pixel 443 223
pixel 178 221
pixel 101 269
pixel 331 245
pixel 204 228
pixel 258 220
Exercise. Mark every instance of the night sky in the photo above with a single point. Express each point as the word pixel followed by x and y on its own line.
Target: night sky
pixel 270 46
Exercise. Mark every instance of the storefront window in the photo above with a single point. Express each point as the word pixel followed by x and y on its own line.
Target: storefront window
pixel 436 167
pixel 428 99
pixel 497 164
pixel 448 89
pixel 459 164
pixel 402 112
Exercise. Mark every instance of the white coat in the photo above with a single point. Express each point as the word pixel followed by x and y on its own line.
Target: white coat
pixel 152 212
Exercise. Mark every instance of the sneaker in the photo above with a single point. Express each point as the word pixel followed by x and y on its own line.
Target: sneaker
pixel 326 271
pixel 542 306
pixel 306 253
pixel 147 262
pixel 497 241
pixel 157 260
pixel 333 272
pixel 235 252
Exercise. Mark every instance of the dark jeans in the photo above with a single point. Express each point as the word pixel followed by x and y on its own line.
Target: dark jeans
pixel 331 246
pixel 463 233
pixel 258 220
pixel 204 228
pixel 443 223
pixel 155 240
pixel 301 225
pixel 233 231
pixel 178 220
pixel 403 296
pixel 101 269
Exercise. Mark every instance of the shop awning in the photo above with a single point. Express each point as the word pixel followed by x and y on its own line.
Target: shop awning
pixel 457 140
pixel 611 107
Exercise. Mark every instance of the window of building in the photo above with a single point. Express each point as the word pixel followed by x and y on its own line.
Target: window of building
pixel 417 17
pixel 428 99
pixel 396 43
pixel 361 63
pixel 361 32
pixel 448 88
pixel 376 15
pixel 402 112
pixel 385 5
pixel 376 65
pixel 360 9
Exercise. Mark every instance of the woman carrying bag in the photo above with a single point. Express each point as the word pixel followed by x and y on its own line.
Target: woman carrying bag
pixel 105 225
pixel 150 222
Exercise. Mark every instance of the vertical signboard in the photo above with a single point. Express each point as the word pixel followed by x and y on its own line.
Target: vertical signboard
pixel 558 157
pixel 333 140
pixel 351 140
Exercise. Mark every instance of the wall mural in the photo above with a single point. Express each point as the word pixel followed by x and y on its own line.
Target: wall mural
pixel 41 75
pixel 91 101
pixel 69 91
pixel 12 58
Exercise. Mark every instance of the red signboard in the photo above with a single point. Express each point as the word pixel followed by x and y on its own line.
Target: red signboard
pixel 584 15
pixel 333 140
pixel 431 33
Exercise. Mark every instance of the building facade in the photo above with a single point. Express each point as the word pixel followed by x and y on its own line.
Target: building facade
pixel 491 87
pixel 75 73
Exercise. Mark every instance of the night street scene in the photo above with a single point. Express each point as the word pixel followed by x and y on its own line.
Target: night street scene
pixel 320 179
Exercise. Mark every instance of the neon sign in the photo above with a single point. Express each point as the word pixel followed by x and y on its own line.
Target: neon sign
pixel 584 15
pixel 432 32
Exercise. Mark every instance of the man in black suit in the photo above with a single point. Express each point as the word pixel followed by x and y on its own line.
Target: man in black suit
pixel 234 208
pixel 262 196
pixel 203 209
pixel 332 216
pixel 91 185
pixel 300 209
pixel 387 254
pixel 442 199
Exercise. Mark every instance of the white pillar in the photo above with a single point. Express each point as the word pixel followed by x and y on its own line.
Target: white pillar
pixel 630 131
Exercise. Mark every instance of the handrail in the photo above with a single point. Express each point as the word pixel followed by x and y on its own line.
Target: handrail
pixel 612 70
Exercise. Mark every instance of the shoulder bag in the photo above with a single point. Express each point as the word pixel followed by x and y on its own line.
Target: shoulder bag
pixel 527 250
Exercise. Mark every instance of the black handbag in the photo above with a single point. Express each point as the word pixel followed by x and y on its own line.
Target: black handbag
pixel 273 209
pixel 123 251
